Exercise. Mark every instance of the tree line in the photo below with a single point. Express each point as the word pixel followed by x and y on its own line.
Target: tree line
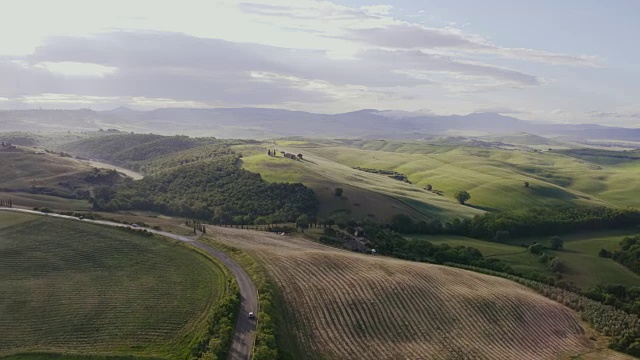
pixel 531 222
pixel 6 203
pixel 628 255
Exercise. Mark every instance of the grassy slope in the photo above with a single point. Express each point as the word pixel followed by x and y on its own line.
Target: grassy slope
pixel 69 287
pixel 584 267
pixel 25 169
pixel 345 305
pixel 494 177
pixel 365 194
pixel 529 140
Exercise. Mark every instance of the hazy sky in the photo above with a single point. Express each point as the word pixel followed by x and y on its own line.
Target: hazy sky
pixel 562 61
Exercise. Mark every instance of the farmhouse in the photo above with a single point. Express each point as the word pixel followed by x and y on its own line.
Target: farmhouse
pixel 290 156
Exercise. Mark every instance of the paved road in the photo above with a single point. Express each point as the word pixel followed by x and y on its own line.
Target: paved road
pixel 245 328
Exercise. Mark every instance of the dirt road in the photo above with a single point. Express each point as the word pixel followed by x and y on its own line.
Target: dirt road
pixel 242 343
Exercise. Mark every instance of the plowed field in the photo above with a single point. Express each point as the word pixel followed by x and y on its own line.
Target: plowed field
pixel 352 306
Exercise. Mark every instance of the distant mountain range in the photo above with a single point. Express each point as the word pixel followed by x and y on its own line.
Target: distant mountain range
pixel 272 123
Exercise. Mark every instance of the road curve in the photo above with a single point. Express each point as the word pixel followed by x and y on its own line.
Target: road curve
pixel 242 342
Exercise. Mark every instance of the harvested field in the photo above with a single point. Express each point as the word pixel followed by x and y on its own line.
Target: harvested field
pixel 350 306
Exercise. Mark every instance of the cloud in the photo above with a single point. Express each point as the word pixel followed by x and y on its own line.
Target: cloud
pixel 70 68
pixel 145 50
pixel 313 54
pixel 132 64
pixel 153 70
pixel 407 36
pixel 401 35
pixel 603 114
pixel 415 60
pixel 73 99
pixel 312 10
pixel 377 9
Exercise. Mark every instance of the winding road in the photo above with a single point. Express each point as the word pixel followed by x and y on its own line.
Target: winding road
pixel 242 343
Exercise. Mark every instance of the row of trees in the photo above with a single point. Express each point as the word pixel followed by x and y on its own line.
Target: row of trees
pixel 215 342
pixel 530 222
pixel 6 203
pixel 386 241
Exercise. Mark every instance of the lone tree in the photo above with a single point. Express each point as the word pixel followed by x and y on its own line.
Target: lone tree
pixel 556 265
pixel 300 156
pixel 526 184
pixel 302 222
pixel 429 187
pixel 604 253
pixel 536 248
pixel 462 197
pixel 556 242
pixel 338 192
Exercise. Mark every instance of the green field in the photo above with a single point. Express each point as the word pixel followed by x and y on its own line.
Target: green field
pixel 494 177
pixel 72 288
pixel 365 195
pixel 580 255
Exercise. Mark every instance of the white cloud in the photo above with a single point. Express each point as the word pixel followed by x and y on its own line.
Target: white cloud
pixel 70 68
pixel 302 54
pixel 377 9
pixel 402 35
pixel 109 101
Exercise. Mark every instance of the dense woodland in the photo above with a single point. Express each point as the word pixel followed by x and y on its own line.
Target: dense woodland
pixel 532 222
pixel 388 242
pixel 217 190
pixel 629 253
pixel 199 178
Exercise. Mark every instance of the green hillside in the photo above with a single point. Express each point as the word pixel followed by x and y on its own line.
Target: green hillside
pixel 365 195
pixel 584 267
pixel 494 177
pixel 72 287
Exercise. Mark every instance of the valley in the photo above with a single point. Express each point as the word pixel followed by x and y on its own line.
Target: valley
pixel 275 215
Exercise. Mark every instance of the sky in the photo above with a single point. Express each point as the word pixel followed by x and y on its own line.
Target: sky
pixel 570 61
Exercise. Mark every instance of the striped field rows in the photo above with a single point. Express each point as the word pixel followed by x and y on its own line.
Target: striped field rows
pixel 352 306
pixel 69 287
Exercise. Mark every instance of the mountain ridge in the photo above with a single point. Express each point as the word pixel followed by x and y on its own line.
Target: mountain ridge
pixel 255 122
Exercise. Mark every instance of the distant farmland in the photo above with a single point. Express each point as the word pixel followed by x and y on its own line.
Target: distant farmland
pixel 342 305
pixel 67 287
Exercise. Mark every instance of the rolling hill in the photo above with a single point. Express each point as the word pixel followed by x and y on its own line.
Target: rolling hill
pixel 583 266
pixel 494 177
pixel 72 288
pixel 350 306
pixel 34 173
